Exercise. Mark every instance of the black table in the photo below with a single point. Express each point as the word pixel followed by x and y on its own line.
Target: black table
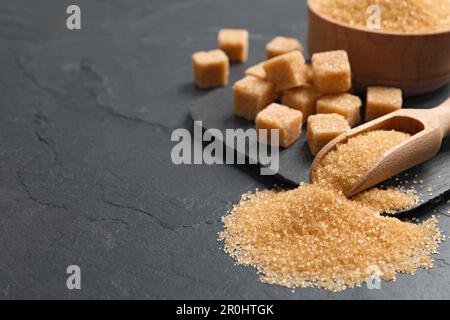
pixel 86 176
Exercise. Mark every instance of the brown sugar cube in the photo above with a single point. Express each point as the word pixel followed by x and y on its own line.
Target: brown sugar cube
pixel 211 68
pixel 344 104
pixel 332 73
pixel 303 99
pixel 281 45
pixel 257 71
pixel 234 42
pixel 286 71
pixel 251 95
pixel 288 121
pixel 322 128
pixel 309 73
pixel 381 101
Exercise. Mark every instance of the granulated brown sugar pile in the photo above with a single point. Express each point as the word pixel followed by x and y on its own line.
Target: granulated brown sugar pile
pixel 412 16
pixel 315 236
pixel 341 168
pixel 312 237
pixel 388 201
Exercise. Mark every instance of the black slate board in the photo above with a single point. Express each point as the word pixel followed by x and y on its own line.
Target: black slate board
pixel 215 111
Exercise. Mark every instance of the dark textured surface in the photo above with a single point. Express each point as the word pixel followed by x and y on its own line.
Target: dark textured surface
pixel 86 176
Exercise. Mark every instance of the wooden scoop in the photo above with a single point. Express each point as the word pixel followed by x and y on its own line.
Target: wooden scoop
pixel 427 126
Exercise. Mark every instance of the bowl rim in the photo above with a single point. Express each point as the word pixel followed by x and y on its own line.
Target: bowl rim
pixel 391 33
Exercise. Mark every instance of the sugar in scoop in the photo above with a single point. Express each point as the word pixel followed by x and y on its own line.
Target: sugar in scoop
pixel 341 168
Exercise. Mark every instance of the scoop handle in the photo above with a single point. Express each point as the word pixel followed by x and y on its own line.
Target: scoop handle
pixel 443 114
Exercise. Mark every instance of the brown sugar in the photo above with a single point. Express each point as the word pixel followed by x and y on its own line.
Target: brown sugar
pixel 287 121
pixel 381 101
pixel 407 16
pixel 281 45
pixel 314 236
pixel 286 71
pixel 251 95
pixel 257 71
pixel 211 68
pixel 311 237
pixel 388 200
pixel 341 168
pixel 332 72
pixel 344 104
pixel 234 42
pixel 309 73
pixel 303 99
pixel 322 128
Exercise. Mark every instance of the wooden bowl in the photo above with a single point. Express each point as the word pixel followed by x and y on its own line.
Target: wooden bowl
pixel 416 63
